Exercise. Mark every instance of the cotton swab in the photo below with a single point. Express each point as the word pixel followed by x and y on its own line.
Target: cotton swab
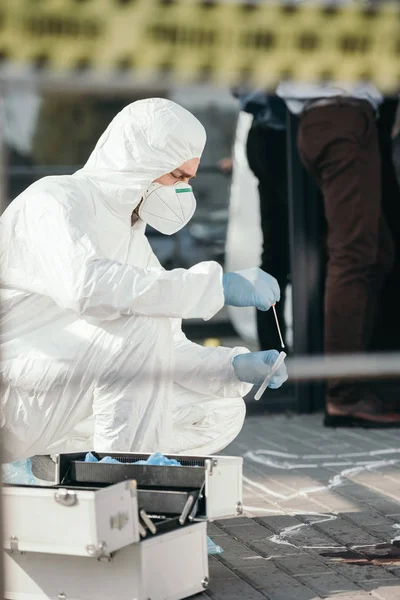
pixel 275 368
pixel 277 326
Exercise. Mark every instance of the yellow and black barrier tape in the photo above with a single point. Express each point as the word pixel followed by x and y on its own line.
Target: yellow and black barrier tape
pixel 260 42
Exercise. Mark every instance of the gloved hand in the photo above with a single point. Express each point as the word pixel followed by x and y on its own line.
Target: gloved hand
pixel 253 367
pixel 251 287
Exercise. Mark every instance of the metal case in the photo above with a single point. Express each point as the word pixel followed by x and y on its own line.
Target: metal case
pixel 76 522
pixel 218 477
pixel 171 566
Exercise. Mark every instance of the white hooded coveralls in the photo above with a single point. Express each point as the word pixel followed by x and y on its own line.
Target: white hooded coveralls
pixel 92 351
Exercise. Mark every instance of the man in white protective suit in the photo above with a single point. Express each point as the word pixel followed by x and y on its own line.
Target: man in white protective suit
pixel 92 351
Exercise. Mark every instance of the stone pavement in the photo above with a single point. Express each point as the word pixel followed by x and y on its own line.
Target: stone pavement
pixel 322 508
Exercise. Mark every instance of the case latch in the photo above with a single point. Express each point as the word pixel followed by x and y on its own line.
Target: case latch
pixel 131 487
pixel 210 464
pixel 14 544
pixel 65 497
pixel 98 551
pixel 239 508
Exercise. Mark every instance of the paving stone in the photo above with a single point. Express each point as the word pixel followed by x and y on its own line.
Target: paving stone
pixel 363 575
pixel 251 532
pixel 276 523
pixel 223 523
pixel 276 584
pixel 384 591
pixel 329 584
pixel 257 537
pixel 303 564
pixel 358 573
pixel 368 516
pixel 365 497
pixel 347 533
pixel 270 549
pixel 236 554
pixel 354 596
pixel 218 570
pixel 329 500
pixel 373 521
pixel 394 570
pixel 360 440
pixel 302 505
pixel 278 556
pixel 392 473
pixel 384 505
pixel 320 474
pixel 300 481
pixel 255 506
pixel 273 487
pixel 380 484
pixel 233 589
pixel 300 533
pixel 214 531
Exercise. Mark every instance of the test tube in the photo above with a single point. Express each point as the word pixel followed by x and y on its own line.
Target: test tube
pixel 274 369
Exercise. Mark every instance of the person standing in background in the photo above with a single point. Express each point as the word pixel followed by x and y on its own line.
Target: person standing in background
pixel 339 146
pixel 266 155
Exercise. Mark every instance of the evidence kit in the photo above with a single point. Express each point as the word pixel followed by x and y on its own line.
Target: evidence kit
pixel 117 530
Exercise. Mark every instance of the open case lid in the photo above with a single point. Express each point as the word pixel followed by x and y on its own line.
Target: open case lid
pixel 78 522
pixel 217 480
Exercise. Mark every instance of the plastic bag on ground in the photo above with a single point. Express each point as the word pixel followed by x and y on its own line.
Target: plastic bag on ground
pixel 19 472
pixel 213 548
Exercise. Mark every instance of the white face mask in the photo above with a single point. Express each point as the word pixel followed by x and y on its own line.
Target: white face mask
pixel 167 208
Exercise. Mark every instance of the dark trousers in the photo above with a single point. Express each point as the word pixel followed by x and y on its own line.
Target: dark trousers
pixel 339 146
pixel 266 155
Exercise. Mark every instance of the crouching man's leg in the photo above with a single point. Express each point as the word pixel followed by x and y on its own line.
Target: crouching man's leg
pixel 132 399
pixel 112 390
pixel 204 424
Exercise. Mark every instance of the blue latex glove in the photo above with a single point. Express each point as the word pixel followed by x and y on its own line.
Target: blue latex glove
pixel 155 459
pixel 251 287
pixel 253 367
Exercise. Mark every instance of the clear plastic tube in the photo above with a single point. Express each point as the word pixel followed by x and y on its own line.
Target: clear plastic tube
pixel 268 378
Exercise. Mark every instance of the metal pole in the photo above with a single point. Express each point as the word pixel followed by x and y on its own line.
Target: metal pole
pixel 298 259
pixel 306 260
pixel 344 366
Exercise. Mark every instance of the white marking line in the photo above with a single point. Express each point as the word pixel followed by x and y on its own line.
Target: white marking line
pixel 334 481
pixel 263 488
pixel 281 537
pixel 276 511
pixel 357 467
pixel 262 457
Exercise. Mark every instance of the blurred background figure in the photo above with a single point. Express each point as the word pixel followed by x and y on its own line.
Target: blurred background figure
pixel 266 154
pixel 338 142
pixel 243 237
pixel 266 157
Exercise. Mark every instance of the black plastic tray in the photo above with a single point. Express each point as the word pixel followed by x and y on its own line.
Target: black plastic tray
pixel 146 476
